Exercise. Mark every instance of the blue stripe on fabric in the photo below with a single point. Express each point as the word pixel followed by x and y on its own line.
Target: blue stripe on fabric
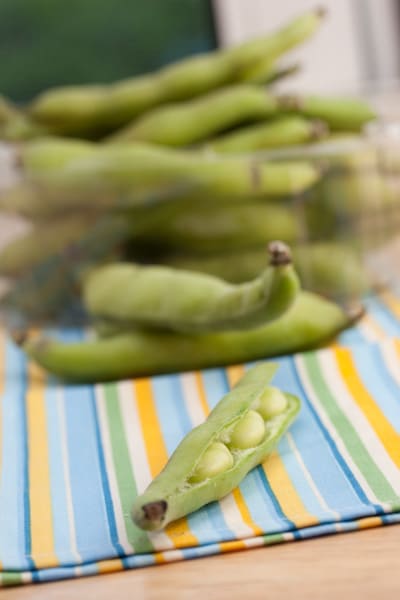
pixel 61 524
pixel 378 380
pixel 14 501
pixel 208 523
pixel 391 518
pixel 96 530
pixel 67 572
pixel 332 444
pixel 26 484
pixel 382 314
pixel 287 524
pixel 93 536
pixel 140 560
pixel 352 337
pixel 315 451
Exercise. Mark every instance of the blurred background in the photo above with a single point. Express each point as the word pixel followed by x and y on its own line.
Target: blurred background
pixel 359 44
pixel 45 43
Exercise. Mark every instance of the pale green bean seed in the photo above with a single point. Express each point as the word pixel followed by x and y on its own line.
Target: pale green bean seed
pixel 216 459
pixel 272 403
pixel 249 432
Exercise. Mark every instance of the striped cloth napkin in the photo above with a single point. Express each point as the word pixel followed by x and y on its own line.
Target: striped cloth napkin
pixel 72 458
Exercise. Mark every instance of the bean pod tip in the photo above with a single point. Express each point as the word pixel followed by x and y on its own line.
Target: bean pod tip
pixel 354 312
pixel 279 254
pixel 150 515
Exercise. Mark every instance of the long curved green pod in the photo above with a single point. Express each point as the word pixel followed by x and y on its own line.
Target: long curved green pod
pixel 96 109
pixel 159 297
pixel 176 491
pixel 190 122
pixel 309 323
pixel 62 166
pixel 266 73
pixel 285 131
pixel 341 114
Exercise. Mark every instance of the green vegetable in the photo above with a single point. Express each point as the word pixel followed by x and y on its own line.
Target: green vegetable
pixel 92 110
pixel 165 298
pixel 310 322
pixel 341 114
pixel 186 123
pixel 218 228
pixel 285 131
pixel 202 469
pixel 124 168
pixel 264 72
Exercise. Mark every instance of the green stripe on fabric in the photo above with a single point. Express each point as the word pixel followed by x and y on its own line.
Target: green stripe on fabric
pixel 9 578
pixel 273 538
pixel 359 453
pixel 123 469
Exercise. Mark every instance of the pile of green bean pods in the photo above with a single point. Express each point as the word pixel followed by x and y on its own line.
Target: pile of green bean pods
pixel 212 459
pixel 151 203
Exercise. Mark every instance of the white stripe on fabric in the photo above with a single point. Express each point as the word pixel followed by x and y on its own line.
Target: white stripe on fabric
pixel 192 399
pixel 392 360
pixel 307 383
pixel 309 478
pixel 370 329
pixel 62 420
pixel 367 435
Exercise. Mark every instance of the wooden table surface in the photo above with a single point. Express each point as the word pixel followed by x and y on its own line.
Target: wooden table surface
pixel 364 564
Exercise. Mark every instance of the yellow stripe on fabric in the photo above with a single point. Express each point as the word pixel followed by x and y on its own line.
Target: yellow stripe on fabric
pixel 202 394
pixel 369 522
pixel 111 565
pixel 234 373
pixel 41 524
pixel 159 557
pixel 285 492
pixel 157 455
pixel 392 302
pixel 233 546
pixel 396 342
pixel 244 511
pixel 388 436
pixel 155 448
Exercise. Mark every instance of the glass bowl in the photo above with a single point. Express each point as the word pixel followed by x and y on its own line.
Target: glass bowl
pixel 342 220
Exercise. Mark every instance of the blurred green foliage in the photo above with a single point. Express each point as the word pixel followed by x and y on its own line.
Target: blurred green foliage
pixel 45 43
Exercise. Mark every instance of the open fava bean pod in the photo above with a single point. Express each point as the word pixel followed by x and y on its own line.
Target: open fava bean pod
pixel 213 458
